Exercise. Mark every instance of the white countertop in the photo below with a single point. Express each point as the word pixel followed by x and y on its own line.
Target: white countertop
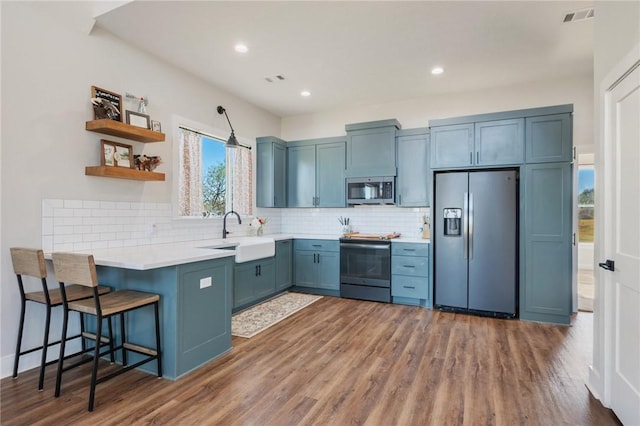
pixel 171 254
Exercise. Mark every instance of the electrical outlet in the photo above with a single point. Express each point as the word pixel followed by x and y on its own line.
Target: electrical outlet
pixel 151 229
pixel 205 282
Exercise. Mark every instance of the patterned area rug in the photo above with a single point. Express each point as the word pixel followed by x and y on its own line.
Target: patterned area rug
pixel 260 317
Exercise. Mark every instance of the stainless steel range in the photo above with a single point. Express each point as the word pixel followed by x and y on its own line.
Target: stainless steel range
pixel 365 269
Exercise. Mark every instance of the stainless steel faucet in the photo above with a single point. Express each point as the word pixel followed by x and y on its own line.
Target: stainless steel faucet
pixel 224 222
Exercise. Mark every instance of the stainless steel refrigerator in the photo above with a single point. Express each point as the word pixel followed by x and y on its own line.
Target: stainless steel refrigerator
pixel 475 247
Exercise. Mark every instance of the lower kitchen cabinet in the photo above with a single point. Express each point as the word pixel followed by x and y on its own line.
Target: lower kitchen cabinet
pixel 284 249
pixel 546 289
pixel 317 264
pixel 253 281
pixel 410 273
pixel 195 312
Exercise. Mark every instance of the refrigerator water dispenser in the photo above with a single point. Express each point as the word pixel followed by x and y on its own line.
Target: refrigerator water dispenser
pixel 452 222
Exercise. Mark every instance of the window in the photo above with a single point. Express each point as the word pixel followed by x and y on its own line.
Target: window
pixel 211 178
pixel 585 203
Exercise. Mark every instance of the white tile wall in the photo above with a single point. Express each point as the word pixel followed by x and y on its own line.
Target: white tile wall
pixel 364 219
pixel 88 224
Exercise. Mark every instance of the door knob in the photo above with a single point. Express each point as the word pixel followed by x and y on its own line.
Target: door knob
pixel 609 265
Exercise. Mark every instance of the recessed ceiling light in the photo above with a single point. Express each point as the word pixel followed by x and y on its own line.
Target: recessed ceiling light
pixel 437 70
pixel 241 48
pixel 305 93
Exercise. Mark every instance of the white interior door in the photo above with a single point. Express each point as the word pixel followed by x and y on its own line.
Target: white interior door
pixel 622 243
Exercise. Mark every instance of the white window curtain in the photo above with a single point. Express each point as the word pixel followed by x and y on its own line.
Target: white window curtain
pixel 242 180
pixel 190 174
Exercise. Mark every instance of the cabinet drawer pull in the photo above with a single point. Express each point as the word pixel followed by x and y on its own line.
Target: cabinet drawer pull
pixel 409 286
pixel 409 249
pixel 316 245
pixel 409 266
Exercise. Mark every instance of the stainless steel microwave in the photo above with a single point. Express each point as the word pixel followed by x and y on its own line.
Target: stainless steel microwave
pixel 371 190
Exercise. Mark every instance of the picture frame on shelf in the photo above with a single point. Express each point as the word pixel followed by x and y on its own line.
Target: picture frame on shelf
pixel 110 106
pixel 115 154
pixel 156 126
pixel 137 119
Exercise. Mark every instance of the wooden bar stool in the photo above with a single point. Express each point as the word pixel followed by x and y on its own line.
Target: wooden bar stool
pixel 30 262
pixel 81 269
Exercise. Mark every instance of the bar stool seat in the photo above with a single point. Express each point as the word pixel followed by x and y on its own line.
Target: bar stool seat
pixel 30 262
pixel 80 269
pixel 116 302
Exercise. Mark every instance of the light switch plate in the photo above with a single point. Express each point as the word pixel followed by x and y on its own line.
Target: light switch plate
pixel 205 282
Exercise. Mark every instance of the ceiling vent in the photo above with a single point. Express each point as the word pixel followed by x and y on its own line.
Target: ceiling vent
pixel 578 15
pixel 274 78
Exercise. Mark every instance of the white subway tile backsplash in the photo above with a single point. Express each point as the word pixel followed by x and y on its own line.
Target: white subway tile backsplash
pixel 90 224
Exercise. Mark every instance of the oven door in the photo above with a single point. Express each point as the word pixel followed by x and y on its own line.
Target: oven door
pixel 365 263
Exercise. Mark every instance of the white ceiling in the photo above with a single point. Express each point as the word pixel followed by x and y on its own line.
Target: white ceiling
pixel 358 53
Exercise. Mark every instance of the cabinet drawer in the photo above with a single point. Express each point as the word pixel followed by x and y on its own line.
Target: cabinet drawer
pixel 409 249
pixel 414 287
pixel 317 245
pixel 407 265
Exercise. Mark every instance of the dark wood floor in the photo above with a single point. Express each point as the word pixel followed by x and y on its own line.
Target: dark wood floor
pixel 341 362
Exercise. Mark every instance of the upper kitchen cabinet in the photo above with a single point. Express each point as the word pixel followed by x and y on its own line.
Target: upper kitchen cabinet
pixel 549 138
pixel 536 135
pixel 452 146
pixel 414 177
pixel 489 143
pixel 499 142
pixel 316 173
pixel 271 173
pixel 371 148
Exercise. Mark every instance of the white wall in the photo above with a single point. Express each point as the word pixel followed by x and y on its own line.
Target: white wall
pixel 49 63
pixel 413 113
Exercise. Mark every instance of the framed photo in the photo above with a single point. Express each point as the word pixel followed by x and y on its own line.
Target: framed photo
pixel 155 126
pixel 137 119
pixel 106 111
pixel 116 154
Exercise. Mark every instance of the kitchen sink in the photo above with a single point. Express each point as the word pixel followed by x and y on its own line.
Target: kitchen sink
pixel 249 248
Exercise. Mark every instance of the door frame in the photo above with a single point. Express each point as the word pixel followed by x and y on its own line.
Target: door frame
pixel 601 370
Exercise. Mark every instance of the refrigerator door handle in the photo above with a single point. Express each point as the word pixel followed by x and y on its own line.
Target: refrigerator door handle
pixel 470 249
pixel 465 227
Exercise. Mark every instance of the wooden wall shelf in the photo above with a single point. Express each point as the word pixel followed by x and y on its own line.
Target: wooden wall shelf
pixel 122 173
pixel 124 130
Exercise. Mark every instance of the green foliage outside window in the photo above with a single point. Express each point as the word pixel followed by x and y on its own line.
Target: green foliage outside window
pixel 214 188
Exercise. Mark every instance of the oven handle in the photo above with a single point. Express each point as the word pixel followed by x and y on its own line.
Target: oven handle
pixel 366 246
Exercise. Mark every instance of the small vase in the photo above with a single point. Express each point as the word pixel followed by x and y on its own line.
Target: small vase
pixel 259 231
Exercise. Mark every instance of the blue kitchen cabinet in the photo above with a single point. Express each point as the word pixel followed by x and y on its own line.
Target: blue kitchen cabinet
pixel 452 146
pixel 195 311
pixel 371 148
pixel 549 138
pixel 330 182
pixel 317 264
pixel 414 173
pixel 271 176
pixel 253 281
pixel 546 288
pixel 284 250
pixel 316 173
pixel 499 142
pixel 410 273
pixel 488 143
pixel 301 181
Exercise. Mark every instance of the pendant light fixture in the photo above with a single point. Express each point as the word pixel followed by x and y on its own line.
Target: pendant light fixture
pixel 232 142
